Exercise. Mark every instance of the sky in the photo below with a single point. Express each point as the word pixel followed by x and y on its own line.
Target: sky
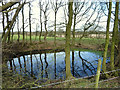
pixel 60 18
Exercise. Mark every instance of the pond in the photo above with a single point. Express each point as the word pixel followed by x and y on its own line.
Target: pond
pixel 52 65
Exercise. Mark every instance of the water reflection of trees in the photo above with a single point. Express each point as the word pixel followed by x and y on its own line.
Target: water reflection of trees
pixel 41 66
pixel 46 72
pixel 87 64
pixel 24 63
pixel 76 69
pixel 55 64
pixel 31 65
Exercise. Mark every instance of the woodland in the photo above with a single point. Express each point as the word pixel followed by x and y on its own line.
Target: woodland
pixel 32 30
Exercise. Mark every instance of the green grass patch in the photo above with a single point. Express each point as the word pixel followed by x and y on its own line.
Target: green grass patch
pixel 86 41
pixel 93 41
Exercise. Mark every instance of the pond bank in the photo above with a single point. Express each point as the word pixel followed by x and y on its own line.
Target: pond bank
pixel 27 48
pixel 16 49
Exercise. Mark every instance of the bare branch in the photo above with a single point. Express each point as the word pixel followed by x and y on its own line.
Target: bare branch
pixel 9 4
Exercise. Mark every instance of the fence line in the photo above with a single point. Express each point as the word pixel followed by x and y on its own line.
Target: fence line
pixel 102 81
pixel 73 79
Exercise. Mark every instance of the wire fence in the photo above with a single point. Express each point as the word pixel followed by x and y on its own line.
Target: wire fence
pixel 56 83
pixel 102 81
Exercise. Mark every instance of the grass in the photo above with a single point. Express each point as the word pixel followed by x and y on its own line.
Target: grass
pixel 85 41
pixel 15 37
pixel 93 41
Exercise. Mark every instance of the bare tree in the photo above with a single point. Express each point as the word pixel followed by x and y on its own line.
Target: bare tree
pixel 55 6
pixel 45 10
pixel 8 5
pixel 77 8
pixel 13 20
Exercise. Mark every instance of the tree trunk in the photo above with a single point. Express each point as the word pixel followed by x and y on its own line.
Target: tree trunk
pixel 55 22
pixel 55 28
pixel 73 39
pixel 119 27
pixel 40 22
pixel 36 32
pixel 12 35
pixel 18 29
pixel 67 48
pixel 23 23
pixel 3 23
pixel 107 38
pixel 30 21
pixel 45 23
pixel 8 23
pixel 114 36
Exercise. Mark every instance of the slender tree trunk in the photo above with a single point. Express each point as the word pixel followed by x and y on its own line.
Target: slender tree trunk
pixel 23 23
pixel 119 34
pixel 107 38
pixel 117 37
pixel 45 24
pixel 8 23
pixel 18 29
pixel 55 22
pixel 114 36
pixel 40 33
pixel 36 32
pixel 3 23
pixel 55 28
pixel 67 48
pixel 30 21
pixel 12 34
pixel 26 36
pixel 40 22
pixel 119 29
pixel 73 39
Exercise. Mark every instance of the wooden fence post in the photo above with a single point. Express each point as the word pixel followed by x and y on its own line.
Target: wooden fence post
pixel 98 73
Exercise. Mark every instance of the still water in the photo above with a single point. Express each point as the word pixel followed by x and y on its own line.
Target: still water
pixel 52 65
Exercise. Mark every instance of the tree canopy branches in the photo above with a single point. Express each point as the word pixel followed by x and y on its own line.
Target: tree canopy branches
pixel 8 5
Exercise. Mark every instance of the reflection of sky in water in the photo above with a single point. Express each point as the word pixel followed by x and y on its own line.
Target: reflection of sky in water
pixel 60 64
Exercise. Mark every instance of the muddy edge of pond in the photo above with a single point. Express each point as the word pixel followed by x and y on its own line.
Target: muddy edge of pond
pixel 18 49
